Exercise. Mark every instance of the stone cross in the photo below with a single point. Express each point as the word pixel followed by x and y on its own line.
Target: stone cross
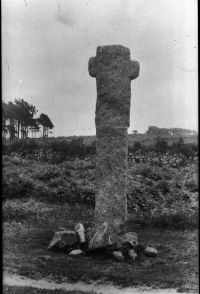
pixel 113 71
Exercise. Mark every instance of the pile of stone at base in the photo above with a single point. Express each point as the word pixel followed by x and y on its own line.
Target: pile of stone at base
pixel 79 242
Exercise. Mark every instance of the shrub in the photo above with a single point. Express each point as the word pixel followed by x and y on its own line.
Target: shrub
pixel 136 146
pixel 19 210
pixel 21 146
pixel 191 184
pixel 161 145
pixel 149 172
pixel 47 173
pixel 15 186
pixel 73 148
pixel 90 149
pixel 163 186
pixel 188 150
pixel 154 193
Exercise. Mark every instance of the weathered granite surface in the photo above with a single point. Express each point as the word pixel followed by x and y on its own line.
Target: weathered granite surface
pixel 111 174
pixel 151 252
pixel 80 232
pixel 113 71
pixel 64 240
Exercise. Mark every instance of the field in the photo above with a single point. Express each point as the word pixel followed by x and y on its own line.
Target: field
pixel 39 197
pixel 146 139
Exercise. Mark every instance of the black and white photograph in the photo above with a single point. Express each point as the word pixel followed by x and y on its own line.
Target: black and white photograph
pixel 100 147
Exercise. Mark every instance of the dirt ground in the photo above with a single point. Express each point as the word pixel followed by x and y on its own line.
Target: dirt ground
pixel 25 253
pixel 18 284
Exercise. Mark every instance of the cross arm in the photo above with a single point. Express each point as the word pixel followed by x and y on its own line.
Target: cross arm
pixel 92 67
pixel 134 68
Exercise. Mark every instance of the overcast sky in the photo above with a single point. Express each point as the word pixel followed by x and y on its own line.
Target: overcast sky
pixel 47 44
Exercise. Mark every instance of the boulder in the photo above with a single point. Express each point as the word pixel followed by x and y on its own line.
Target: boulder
pixel 151 252
pixel 76 252
pixel 80 232
pixel 103 237
pixel 131 255
pixel 62 228
pixel 100 238
pixel 64 240
pixel 129 240
pixel 117 255
pixel 87 159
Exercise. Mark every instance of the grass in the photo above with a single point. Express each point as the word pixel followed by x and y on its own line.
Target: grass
pixel 157 196
pixel 40 197
pixel 30 290
pixel 25 252
pixel 19 210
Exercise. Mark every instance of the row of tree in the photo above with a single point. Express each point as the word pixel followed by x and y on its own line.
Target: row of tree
pixel 153 130
pixel 18 121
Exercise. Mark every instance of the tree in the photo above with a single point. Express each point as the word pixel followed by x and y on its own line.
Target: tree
pixel 18 119
pixel 46 123
pixel 134 132
pixel 4 119
pixel 34 127
pixel 10 120
pixel 25 115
